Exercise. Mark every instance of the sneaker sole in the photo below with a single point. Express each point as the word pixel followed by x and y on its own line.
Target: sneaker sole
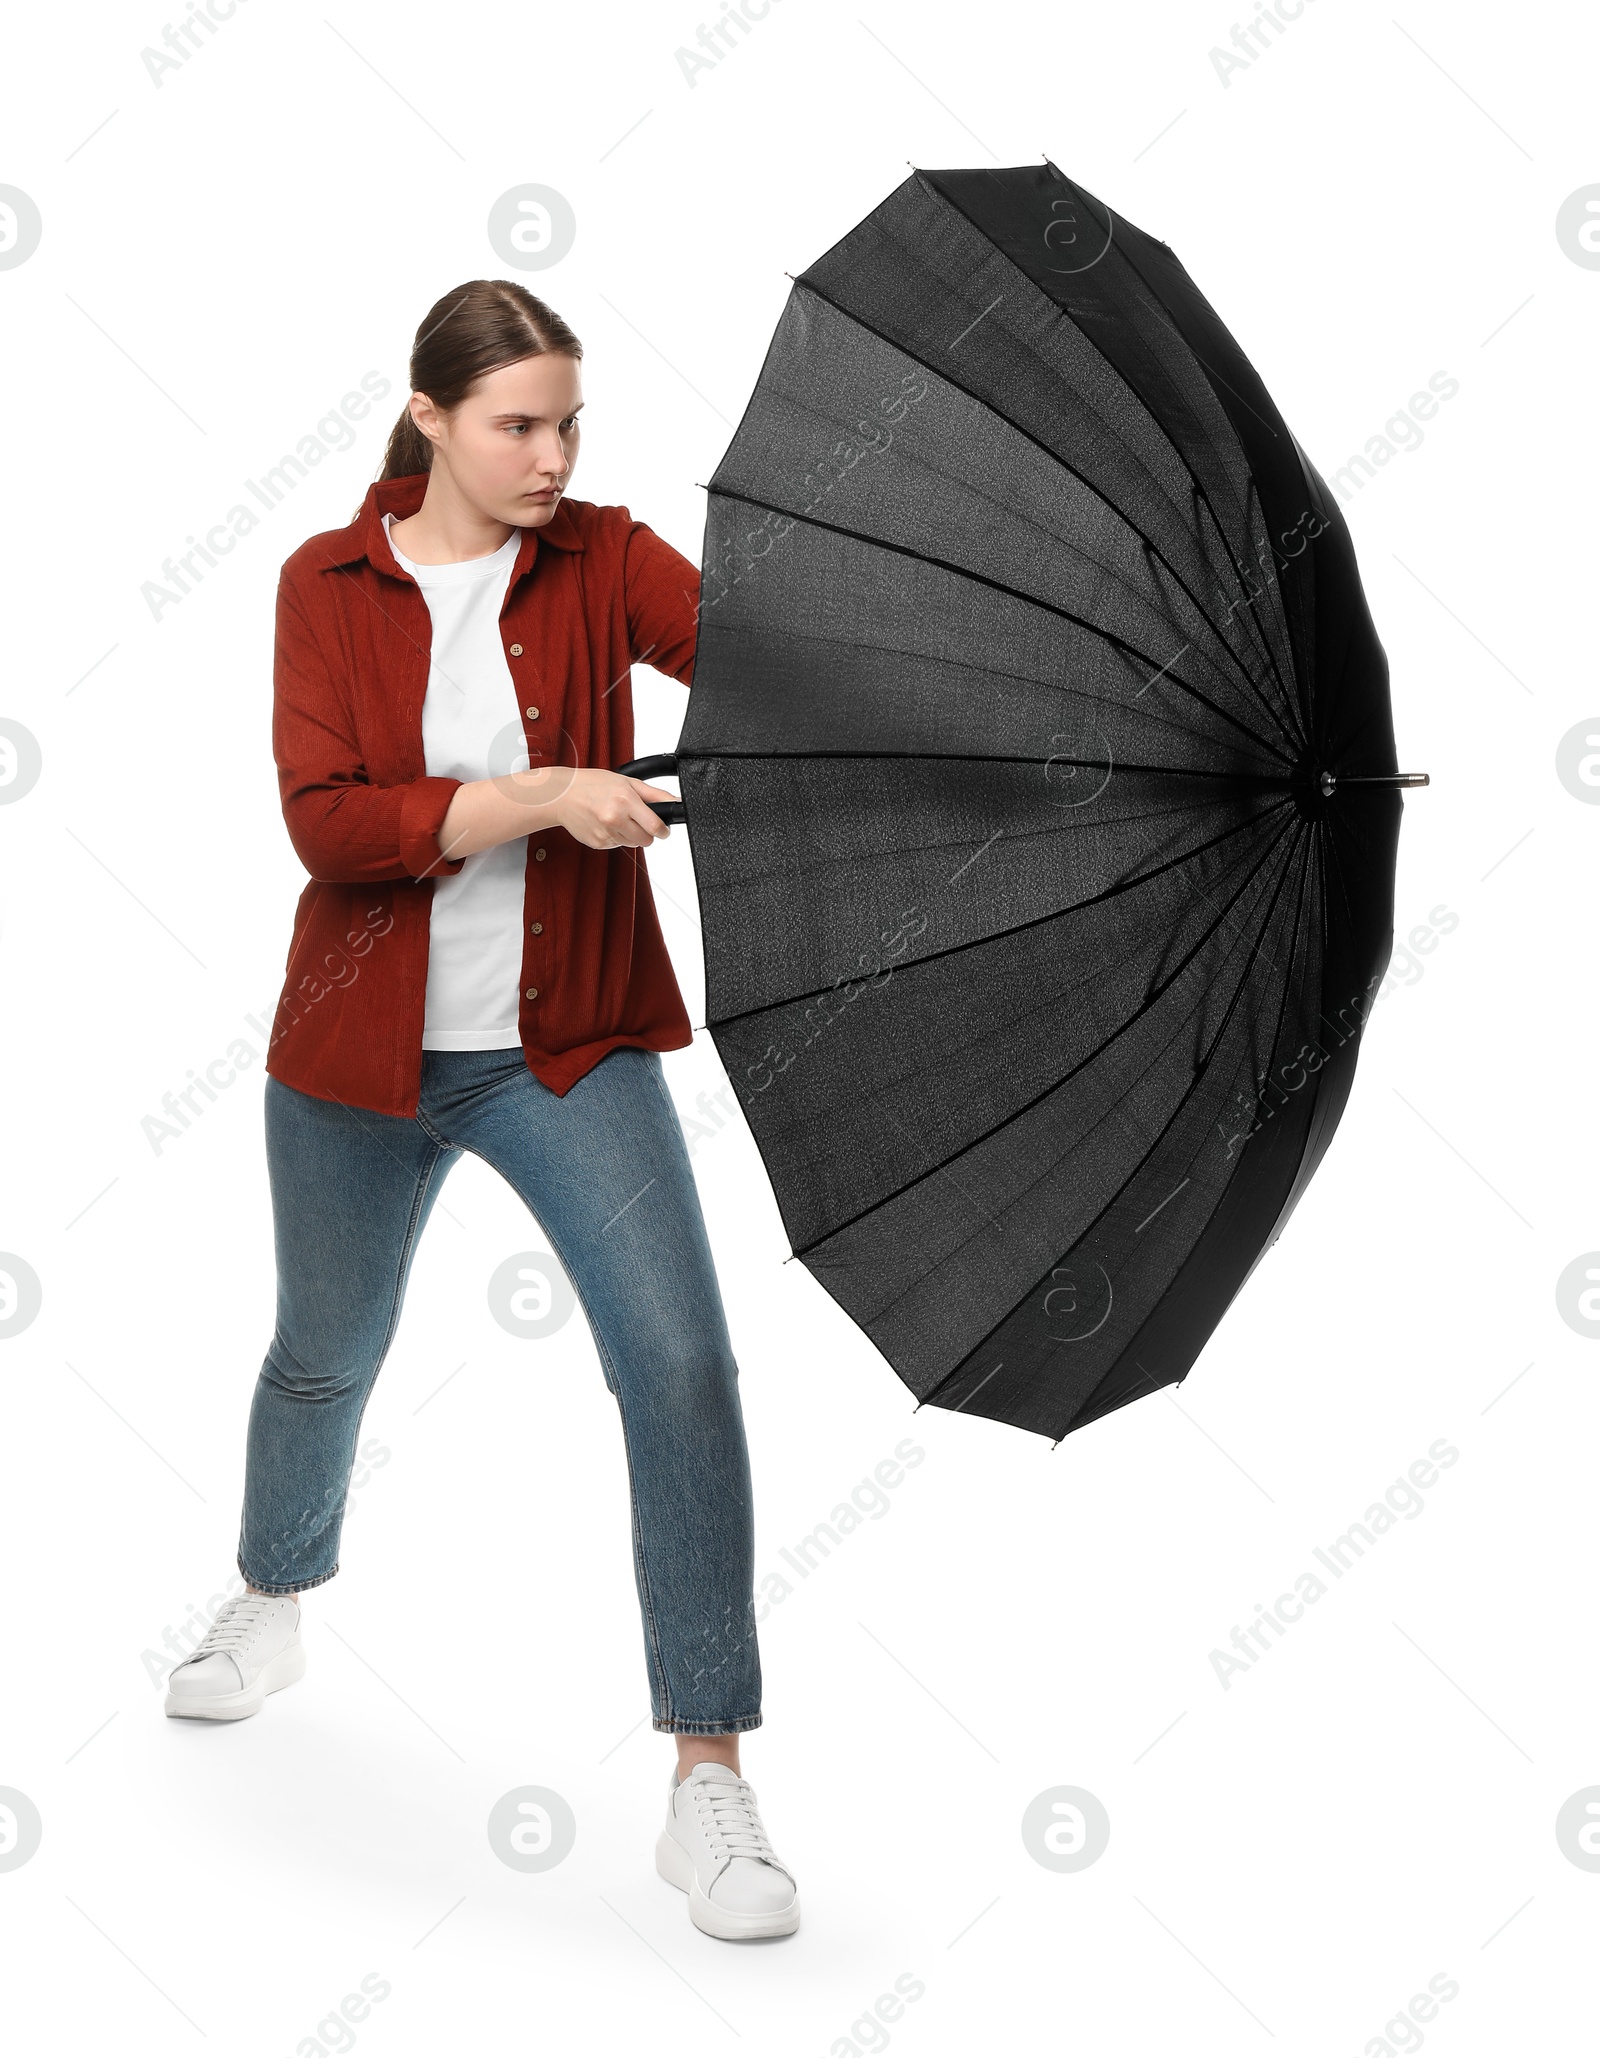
pixel 676 1867
pixel 281 1671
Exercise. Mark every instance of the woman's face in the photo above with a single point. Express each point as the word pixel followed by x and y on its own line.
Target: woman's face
pixel 512 443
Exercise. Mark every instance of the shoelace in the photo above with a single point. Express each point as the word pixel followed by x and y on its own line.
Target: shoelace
pixel 728 1811
pixel 236 1625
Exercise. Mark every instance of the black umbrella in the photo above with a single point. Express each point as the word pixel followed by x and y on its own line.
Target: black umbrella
pixel 1040 780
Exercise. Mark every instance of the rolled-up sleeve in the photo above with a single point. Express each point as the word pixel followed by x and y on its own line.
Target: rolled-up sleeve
pixel 662 594
pixel 343 827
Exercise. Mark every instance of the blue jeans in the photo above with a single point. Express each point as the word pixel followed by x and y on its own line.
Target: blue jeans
pixel 605 1169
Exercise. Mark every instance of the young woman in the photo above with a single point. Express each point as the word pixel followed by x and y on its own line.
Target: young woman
pixel 476 965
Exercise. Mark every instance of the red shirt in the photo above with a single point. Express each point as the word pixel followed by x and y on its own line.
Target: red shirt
pixel 591 592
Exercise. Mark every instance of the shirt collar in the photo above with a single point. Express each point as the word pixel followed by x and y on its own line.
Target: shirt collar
pixel 367 538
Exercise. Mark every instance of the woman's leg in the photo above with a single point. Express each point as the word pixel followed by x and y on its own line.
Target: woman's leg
pixel 605 1169
pixel 351 1191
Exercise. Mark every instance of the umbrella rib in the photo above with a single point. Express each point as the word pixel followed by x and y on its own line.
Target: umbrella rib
pixel 1100 1214
pixel 1019 837
pixel 987 673
pixel 1337 867
pixel 1088 1058
pixel 1200 487
pixel 1283 1009
pixel 978 757
pixel 1105 500
pixel 1028 599
pixel 1134 1172
pixel 1162 315
pixel 1124 256
pixel 1256 871
pixel 789 1000
pixel 1335 863
pixel 1253 494
pixel 1069 992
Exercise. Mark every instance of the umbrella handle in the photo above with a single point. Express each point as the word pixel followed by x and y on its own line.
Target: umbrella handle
pixel 1329 782
pixel 652 768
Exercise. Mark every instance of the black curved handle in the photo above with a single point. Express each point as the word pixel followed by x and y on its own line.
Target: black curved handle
pixel 652 768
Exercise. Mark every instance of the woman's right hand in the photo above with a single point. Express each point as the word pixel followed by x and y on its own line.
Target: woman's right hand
pixel 608 810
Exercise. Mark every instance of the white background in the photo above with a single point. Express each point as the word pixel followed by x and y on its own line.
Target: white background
pixel 1293 1856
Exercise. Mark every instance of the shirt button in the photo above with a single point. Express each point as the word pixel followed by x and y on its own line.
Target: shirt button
pixel 516 650
pixel 533 993
pixel 532 713
pixel 538 928
pixel 539 853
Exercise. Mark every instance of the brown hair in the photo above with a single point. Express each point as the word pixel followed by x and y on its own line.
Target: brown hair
pixel 472 330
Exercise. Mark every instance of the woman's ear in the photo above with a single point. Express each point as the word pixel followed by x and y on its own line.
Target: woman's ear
pixel 425 415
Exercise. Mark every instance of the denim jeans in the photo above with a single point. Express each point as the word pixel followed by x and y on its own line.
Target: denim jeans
pixel 605 1169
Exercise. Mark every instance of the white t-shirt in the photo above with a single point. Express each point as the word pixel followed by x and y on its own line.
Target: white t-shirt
pixel 470 715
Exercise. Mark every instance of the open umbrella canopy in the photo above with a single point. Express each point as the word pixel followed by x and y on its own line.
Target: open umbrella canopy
pixel 1040 782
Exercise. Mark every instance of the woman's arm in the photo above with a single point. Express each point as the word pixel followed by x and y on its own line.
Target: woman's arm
pixel 661 594
pixel 343 828
pixel 661 591
pixel 600 808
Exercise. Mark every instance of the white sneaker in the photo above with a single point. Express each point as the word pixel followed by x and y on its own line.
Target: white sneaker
pixel 715 1848
pixel 251 1650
